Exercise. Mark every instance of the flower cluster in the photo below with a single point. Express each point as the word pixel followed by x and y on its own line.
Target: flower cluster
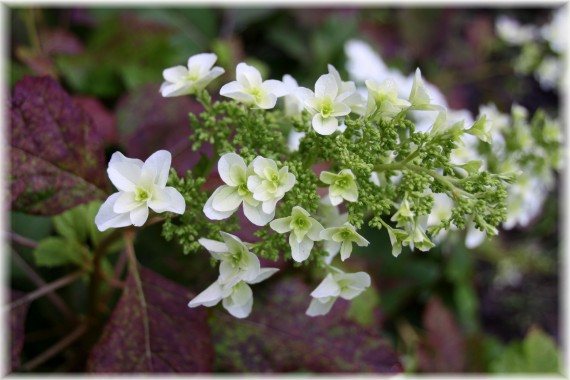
pixel 384 146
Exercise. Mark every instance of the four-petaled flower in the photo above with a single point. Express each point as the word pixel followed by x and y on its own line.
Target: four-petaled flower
pixel 344 236
pixel 336 284
pixel 227 198
pixel 324 105
pixel 141 185
pixel 268 183
pixel 304 232
pixel 342 186
pixel 251 90
pixel 180 80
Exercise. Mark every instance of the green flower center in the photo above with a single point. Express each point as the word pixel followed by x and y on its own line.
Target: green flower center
pixel 300 223
pixel 342 183
pixel 326 108
pixel 257 93
pixel 346 234
pixel 141 194
pixel 243 190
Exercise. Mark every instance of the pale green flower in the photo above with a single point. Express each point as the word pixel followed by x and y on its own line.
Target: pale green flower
pixel 269 184
pixel 336 284
pixel 304 232
pixel 342 186
pixel 344 236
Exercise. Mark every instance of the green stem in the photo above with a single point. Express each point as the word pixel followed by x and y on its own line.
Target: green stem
pixel 133 267
pixel 31 29
pixel 446 181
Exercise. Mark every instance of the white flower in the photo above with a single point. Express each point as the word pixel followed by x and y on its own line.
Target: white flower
pixel 336 284
pixel 510 31
pixel 141 185
pixel 550 72
pixel 348 93
pixel 226 199
pixel 251 90
pixel 324 105
pixel 180 80
pixel 237 299
pixel 304 232
pixel 555 31
pixel 293 104
pixel 363 63
pixel 419 96
pixel 344 236
pixel 383 98
pixel 237 263
pixel 342 186
pixel 269 184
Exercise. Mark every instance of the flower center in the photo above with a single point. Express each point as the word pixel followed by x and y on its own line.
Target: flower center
pixel 243 190
pixel 326 108
pixel 300 223
pixel 346 234
pixel 257 93
pixel 141 194
pixel 342 183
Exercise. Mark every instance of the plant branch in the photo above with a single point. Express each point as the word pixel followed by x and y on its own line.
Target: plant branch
pixel 56 348
pixel 133 266
pixel 39 282
pixel 46 289
pixel 22 240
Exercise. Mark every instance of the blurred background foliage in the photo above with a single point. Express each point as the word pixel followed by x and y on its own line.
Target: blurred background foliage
pixel 491 309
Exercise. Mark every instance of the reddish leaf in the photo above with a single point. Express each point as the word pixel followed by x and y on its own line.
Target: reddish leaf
pixel 56 156
pixel 179 337
pixel 148 122
pixel 103 120
pixel 17 333
pixel 60 41
pixel 443 347
pixel 279 337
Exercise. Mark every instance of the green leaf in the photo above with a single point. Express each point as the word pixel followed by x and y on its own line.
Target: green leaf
pixel 72 224
pixel 362 308
pixel 55 251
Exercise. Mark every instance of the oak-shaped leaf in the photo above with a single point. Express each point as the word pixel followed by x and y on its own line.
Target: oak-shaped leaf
pixel 279 337
pixel 177 340
pixel 56 156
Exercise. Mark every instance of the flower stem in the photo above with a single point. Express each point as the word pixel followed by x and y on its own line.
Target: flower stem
pixel 133 266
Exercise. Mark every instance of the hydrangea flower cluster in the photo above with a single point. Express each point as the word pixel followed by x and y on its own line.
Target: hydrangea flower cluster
pixel 363 155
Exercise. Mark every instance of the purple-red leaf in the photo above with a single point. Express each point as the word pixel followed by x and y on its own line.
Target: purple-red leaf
pixel 56 156
pixel 443 347
pixel 17 333
pixel 178 340
pixel 148 122
pixel 279 337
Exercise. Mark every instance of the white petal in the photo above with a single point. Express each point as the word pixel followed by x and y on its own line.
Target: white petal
pixel 159 164
pixel 328 177
pixel 320 308
pixel 360 241
pixel 315 230
pixel 261 165
pixel 355 285
pixel 229 275
pixel 233 243
pixel 248 75
pixel 202 82
pixel 474 237
pixel 106 218
pixel 227 161
pixel 351 194
pixel 264 274
pixel 340 109
pixel 160 200
pixel 175 74
pixel 289 182
pixel 236 91
pixel 327 288
pixel 213 214
pixel 275 87
pixel 326 126
pixel 126 202
pixel 326 86
pixel 290 82
pixel 240 303
pixel 253 182
pixel 328 233
pixel 281 225
pixel 176 89
pixel 124 175
pixel 335 199
pixel 227 199
pixel 213 246
pixel 304 94
pixel 118 157
pixel 204 60
pixel 256 215
pixel 209 297
pixel 345 250
pixel 177 202
pixel 268 206
pixel 267 102
pixel 302 250
pixel 139 215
